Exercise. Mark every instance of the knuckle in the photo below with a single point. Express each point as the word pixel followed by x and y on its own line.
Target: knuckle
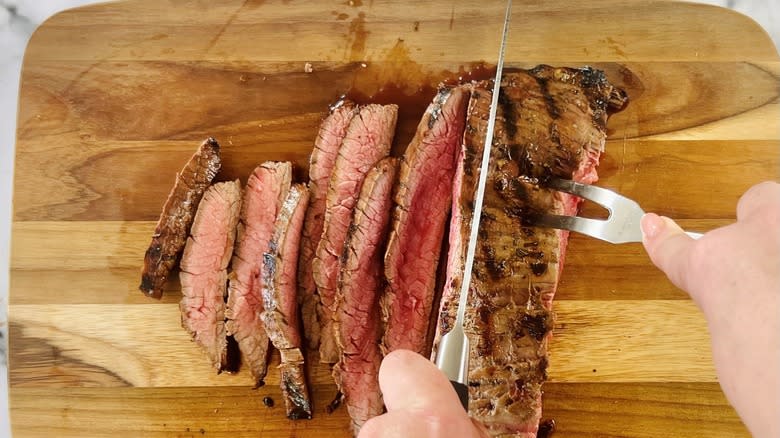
pixel 761 201
pixel 700 257
pixel 370 429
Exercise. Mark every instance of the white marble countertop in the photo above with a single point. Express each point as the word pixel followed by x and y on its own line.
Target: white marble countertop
pixel 19 18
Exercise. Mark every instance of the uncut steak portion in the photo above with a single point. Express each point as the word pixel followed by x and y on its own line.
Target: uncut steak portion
pixel 551 122
pixel 422 205
pixel 368 140
pixel 323 158
pixel 357 319
pixel 175 221
pixel 266 189
pixel 203 271
pixel 280 314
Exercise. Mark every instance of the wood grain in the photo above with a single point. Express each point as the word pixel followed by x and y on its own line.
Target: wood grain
pixel 172 412
pixel 579 31
pixel 144 345
pixel 92 190
pixel 612 410
pixel 100 263
pixel 608 410
pixel 115 97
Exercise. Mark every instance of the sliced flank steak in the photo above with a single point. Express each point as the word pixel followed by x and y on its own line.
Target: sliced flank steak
pixel 422 206
pixel 326 147
pixel 280 314
pixel 175 221
pixel 357 318
pixel 368 140
pixel 266 189
pixel 203 267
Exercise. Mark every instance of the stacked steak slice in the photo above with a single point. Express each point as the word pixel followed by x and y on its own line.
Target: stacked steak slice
pixel 204 269
pixel 367 140
pixel 280 314
pixel 323 158
pixel 422 203
pixel 357 322
pixel 170 235
pixel 551 122
pixel 266 189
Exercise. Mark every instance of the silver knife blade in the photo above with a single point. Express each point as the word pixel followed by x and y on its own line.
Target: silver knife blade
pixel 452 357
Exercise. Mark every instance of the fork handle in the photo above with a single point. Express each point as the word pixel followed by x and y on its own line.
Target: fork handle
pixel 693 235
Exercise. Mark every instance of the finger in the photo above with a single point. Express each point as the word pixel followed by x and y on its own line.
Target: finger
pixel 406 424
pixel 396 424
pixel 410 381
pixel 763 197
pixel 668 247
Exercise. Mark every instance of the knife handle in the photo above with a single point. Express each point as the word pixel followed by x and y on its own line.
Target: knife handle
pixel 463 393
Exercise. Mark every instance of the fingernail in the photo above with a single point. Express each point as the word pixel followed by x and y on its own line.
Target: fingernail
pixel 651 225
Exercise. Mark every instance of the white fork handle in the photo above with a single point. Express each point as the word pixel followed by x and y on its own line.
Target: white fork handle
pixel 693 235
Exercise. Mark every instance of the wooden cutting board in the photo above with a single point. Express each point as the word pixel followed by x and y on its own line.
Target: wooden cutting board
pixel 115 97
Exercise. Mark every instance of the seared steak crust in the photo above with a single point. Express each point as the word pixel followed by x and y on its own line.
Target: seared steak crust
pixel 266 189
pixel 357 319
pixel 551 122
pixel 280 313
pixel 170 234
pixel 422 204
pixel 368 140
pixel 323 158
pixel 204 265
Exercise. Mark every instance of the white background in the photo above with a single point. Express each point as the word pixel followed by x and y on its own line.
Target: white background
pixel 19 18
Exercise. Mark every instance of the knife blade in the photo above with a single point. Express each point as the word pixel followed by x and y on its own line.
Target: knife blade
pixel 453 353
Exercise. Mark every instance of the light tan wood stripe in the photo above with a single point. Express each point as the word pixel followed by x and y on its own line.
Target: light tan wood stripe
pixel 143 345
pixel 85 262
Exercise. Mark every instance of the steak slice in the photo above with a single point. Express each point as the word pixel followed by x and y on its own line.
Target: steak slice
pixel 323 158
pixel 551 122
pixel 266 189
pixel 280 314
pixel 357 318
pixel 422 205
pixel 368 140
pixel 170 234
pixel 203 271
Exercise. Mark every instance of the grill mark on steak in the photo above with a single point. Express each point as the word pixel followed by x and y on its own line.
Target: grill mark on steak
pixel 422 203
pixel 357 317
pixel 170 234
pixel 552 108
pixel 555 130
pixel 280 313
pixel 368 140
pixel 203 267
pixel 323 158
pixel 266 189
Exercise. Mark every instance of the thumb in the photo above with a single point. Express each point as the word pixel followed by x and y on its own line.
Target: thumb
pixel 668 247
pixel 420 402
pixel 410 381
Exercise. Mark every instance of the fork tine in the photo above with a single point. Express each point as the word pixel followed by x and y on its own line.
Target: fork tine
pixel 591 227
pixel 605 198
pixel 621 226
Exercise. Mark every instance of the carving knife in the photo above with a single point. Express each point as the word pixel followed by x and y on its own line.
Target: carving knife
pixel 453 353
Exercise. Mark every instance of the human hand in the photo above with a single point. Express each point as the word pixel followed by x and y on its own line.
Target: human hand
pixel 420 402
pixel 733 275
